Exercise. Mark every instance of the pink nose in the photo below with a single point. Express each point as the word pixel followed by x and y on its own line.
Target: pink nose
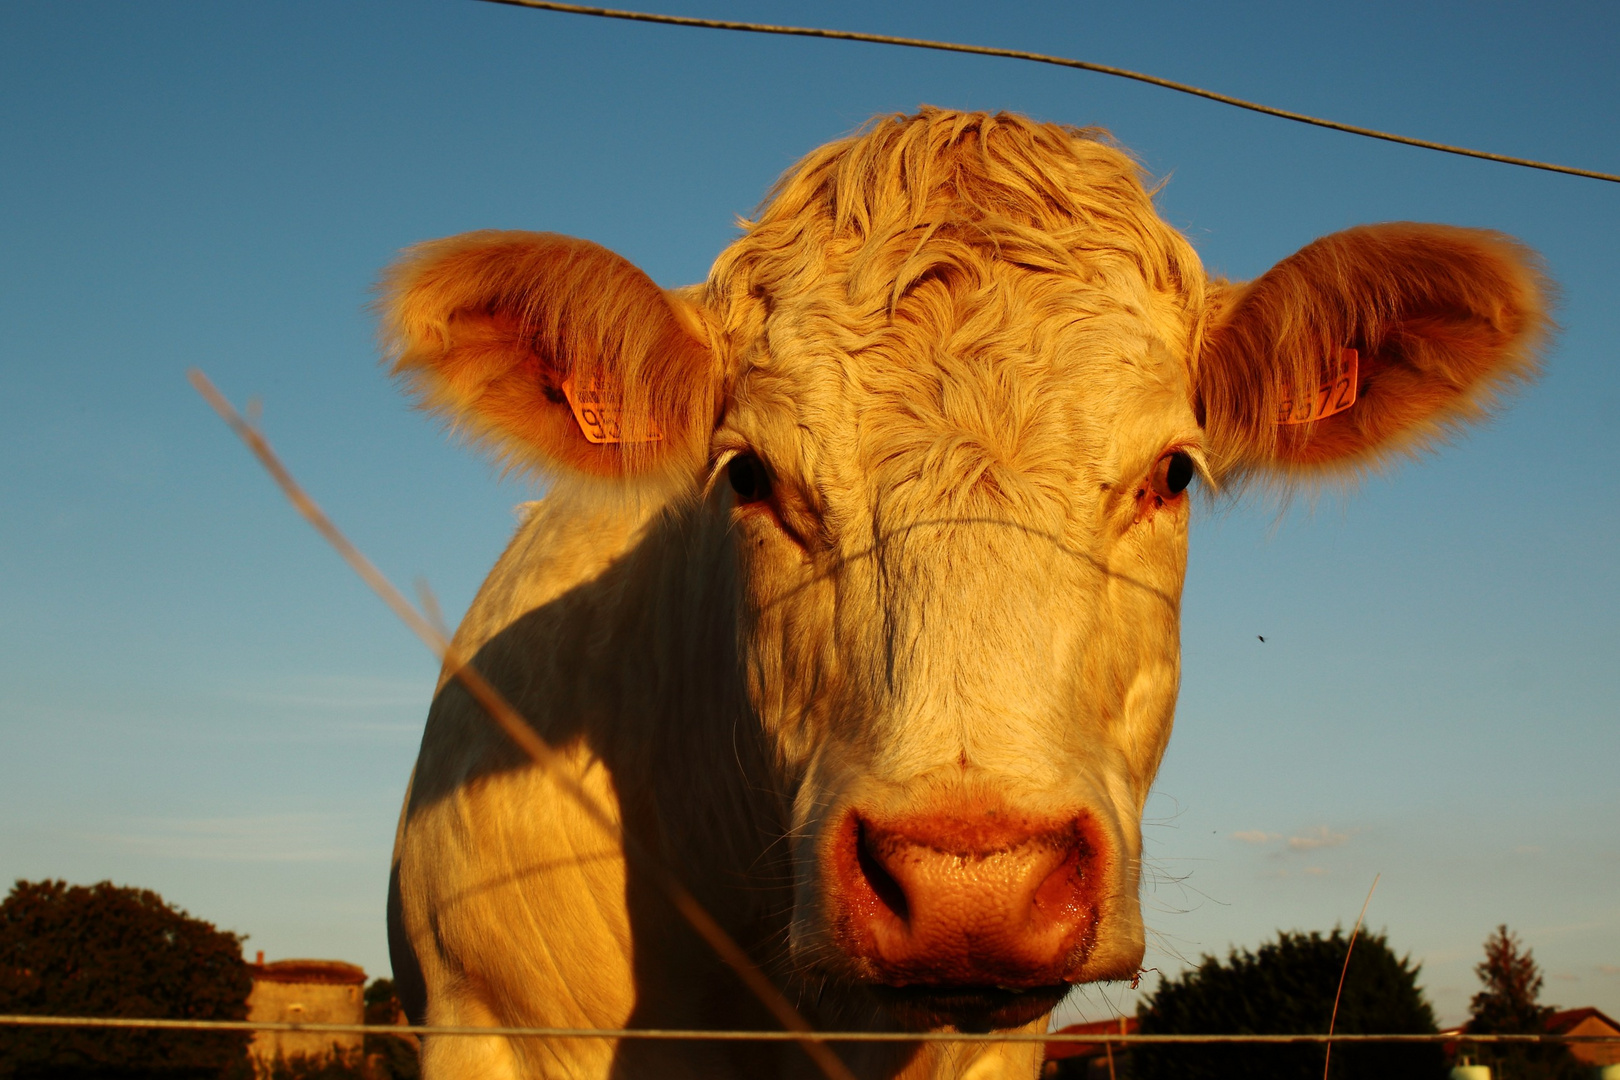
pixel 985 900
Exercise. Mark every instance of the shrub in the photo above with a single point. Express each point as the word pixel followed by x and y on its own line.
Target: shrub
pixel 105 950
pixel 1287 987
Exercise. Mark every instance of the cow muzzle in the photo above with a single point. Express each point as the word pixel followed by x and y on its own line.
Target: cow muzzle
pixel 977 921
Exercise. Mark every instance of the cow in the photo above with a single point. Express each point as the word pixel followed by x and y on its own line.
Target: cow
pixel 854 594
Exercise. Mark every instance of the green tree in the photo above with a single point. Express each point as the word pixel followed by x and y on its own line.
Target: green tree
pixel 105 950
pixel 1510 1005
pixel 1287 987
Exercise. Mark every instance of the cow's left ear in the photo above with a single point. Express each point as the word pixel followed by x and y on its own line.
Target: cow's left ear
pixel 555 352
pixel 1367 343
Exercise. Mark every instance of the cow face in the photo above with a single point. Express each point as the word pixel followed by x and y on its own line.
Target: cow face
pixel 958 483
pixel 945 399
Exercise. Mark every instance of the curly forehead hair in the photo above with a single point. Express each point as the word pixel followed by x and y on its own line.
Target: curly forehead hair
pixel 942 193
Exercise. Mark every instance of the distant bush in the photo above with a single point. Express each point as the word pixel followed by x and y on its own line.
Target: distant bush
pixel 1287 987
pixel 105 950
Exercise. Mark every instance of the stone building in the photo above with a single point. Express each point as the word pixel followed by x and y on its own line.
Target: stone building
pixel 311 992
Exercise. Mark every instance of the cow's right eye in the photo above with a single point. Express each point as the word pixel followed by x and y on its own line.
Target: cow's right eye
pixel 748 478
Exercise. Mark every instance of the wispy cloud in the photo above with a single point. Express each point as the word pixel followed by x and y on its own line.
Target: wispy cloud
pixel 1309 840
pixel 336 693
pixel 1608 969
pixel 1319 837
pixel 1607 919
pixel 306 837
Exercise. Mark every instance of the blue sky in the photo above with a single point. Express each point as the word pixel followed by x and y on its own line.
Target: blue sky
pixel 195 696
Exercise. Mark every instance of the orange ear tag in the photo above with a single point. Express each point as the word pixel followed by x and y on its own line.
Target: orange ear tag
pixel 598 418
pixel 1335 395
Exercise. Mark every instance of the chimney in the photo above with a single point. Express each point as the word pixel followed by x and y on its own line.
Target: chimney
pixel 260 960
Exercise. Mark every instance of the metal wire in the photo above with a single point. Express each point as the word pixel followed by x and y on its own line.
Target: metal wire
pixel 687 1035
pixel 1043 58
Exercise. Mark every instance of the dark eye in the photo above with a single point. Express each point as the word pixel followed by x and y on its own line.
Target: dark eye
pixel 748 478
pixel 1172 474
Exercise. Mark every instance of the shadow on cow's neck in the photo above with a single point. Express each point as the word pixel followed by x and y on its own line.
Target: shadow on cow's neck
pixel 641 681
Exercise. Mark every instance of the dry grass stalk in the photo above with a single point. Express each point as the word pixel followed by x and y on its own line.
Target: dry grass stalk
pixel 519 731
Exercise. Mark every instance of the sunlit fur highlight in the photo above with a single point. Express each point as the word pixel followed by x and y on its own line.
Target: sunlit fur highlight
pixel 486 326
pixel 872 245
pixel 1448 322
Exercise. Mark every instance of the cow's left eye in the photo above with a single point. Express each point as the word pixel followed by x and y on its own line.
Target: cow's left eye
pixel 748 478
pixel 1172 474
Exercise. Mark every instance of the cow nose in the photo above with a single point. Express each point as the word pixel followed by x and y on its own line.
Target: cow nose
pixel 978 900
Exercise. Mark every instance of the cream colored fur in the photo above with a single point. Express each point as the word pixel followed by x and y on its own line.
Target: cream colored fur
pixel 963 346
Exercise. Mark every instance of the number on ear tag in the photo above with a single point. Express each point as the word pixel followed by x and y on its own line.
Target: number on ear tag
pixel 1335 395
pixel 598 418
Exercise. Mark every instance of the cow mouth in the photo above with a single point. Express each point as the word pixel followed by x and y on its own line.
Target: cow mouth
pixel 969 1008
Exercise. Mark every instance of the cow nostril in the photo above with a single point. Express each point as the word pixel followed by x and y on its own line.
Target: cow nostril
pixel 1062 892
pixel 882 883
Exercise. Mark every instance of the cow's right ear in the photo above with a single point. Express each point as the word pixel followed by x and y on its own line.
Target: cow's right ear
pixel 1366 344
pixel 555 351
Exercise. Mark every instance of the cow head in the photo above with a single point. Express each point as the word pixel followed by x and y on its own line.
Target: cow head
pixel 945 398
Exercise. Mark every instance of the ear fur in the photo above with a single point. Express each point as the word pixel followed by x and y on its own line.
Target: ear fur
pixel 487 326
pixel 1446 320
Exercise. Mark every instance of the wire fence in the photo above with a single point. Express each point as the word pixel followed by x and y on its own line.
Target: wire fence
pixel 515 726
pixel 797 1030
pixel 1057 61
pixel 690 1035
